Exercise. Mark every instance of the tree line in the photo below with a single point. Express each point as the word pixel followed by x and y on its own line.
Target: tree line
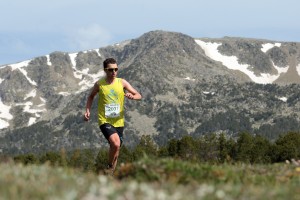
pixel 211 148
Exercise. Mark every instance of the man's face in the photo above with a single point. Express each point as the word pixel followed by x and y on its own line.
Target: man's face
pixel 111 70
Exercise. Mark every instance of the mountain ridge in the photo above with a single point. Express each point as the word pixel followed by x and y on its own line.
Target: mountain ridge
pixel 182 82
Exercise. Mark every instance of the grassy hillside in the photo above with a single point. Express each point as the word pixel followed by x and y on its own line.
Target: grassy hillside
pixel 152 179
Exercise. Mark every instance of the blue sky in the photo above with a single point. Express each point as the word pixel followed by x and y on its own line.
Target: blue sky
pixel 35 28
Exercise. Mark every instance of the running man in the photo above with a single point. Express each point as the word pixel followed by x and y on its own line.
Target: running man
pixel 111 108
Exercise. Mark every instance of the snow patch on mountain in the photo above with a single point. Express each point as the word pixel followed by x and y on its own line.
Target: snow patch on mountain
pixel 298 69
pixel 5 115
pixel 284 99
pixel 3 124
pixel 48 60
pixel 207 92
pixel 231 62
pixel 20 66
pixel 43 100
pixel 266 47
pixel 87 80
pixel 28 108
pixel 32 120
pixel 190 79
pixel 30 94
pixel 73 58
pixel 96 50
pixel 24 72
pixel 64 93
pixel 31 108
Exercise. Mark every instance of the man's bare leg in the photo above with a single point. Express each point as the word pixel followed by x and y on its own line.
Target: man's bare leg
pixel 114 142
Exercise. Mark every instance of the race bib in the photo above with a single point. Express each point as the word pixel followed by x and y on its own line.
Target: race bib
pixel 112 110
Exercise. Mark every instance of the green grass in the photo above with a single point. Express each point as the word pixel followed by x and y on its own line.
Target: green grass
pixel 152 179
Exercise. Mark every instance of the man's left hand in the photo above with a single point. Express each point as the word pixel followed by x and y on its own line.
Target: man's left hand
pixel 129 95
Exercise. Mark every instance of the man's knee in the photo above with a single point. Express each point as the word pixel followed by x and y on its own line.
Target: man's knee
pixel 114 141
pixel 115 145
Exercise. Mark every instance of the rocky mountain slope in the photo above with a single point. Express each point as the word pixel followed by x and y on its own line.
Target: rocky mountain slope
pixel 189 85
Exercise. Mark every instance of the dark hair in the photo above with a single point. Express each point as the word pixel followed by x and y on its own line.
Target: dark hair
pixel 109 61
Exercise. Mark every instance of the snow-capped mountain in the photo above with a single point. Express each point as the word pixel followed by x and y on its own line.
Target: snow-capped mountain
pixel 231 62
pixel 66 78
pixel 185 81
pixel 263 62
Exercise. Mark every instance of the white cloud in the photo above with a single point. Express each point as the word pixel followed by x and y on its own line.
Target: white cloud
pixel 89 37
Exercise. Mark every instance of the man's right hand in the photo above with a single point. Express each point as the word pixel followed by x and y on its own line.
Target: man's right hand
pixel 87 116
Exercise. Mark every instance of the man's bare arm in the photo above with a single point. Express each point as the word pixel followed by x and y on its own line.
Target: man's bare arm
pixel 89 102
pixel 131 92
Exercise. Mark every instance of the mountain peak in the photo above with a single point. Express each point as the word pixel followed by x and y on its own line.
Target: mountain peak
pixel 186 82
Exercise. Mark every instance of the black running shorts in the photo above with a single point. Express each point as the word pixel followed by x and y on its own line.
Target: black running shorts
pixel 108 130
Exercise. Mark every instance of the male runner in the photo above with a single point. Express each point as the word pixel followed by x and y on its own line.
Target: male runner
pixel 111 107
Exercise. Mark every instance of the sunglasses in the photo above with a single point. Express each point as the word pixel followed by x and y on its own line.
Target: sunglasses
pixel 112 69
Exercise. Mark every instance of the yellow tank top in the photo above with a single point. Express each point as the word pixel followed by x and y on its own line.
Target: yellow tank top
pixel 111 103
